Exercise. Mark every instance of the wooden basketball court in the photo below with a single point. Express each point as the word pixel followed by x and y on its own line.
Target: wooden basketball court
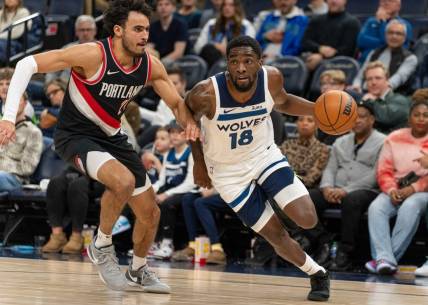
pixel 48 282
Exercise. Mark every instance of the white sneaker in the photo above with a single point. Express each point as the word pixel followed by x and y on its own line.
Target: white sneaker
pixel 422 270
pixel 165 250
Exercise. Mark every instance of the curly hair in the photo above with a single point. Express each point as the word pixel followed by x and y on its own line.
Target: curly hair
pixel 118 11
pixel 420 95
pixel 244 41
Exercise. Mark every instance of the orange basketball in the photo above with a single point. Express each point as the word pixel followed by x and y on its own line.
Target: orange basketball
pixel 335 112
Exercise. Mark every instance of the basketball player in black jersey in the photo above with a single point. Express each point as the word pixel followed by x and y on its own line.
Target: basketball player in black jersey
pixel 105 77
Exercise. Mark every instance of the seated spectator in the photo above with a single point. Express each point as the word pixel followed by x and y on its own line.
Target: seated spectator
pixel 333 80
pixel 12 10
pixel 306 155
pixel 5 77
pixel 168 36
pixel 85 29
pixel 401 63
pixel 189 13
pixel 230 23
pixel 55 92
pixel 348 183
pixel 315 7
pixel 372 34
pixel 163 114
pixel 391 109
pixel 175 180
pixel 330 35
pixel 67 196
pixel 153 160
pixel 404 185
pixel 200 209
pixel 210 13
pixel 282 29
pixel 19 159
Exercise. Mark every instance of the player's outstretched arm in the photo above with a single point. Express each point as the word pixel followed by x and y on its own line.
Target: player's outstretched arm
pixel 166 90
pixel 199 101
pixel 82 57
pixel 284 102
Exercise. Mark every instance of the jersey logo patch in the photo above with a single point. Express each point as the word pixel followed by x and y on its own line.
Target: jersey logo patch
pixel 229 110
pixel 112 72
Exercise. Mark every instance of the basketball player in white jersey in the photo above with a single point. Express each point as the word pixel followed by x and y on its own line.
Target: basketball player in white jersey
pixel 105 77
pixel 239 158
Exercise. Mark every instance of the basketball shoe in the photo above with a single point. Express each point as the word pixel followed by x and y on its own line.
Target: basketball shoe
pixel 320 286
pixel 108 267
pixel 146 280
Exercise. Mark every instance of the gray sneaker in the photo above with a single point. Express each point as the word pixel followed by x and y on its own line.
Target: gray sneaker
pixel 108 267
pixel 146 280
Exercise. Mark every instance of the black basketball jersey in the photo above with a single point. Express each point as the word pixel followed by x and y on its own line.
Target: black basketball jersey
pixel 94 106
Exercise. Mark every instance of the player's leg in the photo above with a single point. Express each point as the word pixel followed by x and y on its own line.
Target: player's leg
pixel 142 202
pixel 292 197
pixel 254 210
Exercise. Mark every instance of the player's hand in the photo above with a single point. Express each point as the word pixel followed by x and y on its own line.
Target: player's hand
pixel 7 132
pixel 200 175
pixel 192 130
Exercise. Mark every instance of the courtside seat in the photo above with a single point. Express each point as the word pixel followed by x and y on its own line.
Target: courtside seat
pixel 194 67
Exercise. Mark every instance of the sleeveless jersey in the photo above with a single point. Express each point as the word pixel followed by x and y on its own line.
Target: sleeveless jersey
pixel 238 132
pixel 94 106
pixel 176 169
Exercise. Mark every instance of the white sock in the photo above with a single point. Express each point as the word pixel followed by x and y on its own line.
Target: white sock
pixel 166 242
pixel 310 266
pixel 102 240
pixel 138 262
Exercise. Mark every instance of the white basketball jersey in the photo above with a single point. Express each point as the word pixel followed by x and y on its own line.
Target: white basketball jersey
pixel 238 132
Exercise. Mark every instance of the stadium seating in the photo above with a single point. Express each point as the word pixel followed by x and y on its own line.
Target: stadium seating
pixel 193 36
pixel 294 71
pixel 347 64
pixel 36 6
pixel 194 67
pixel 30 42
pixel 218 67
pixel 72 8
pixel 411 8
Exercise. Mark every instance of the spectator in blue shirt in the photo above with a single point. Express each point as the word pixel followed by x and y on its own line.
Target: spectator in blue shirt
pixel 282 29
pixel 372 34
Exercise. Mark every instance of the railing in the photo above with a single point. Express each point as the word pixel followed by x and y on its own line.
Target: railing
pixel 24 39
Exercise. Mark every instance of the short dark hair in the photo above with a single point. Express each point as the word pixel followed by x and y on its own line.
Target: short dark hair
pixel 244 41
pixel 118 11
pixel 175 69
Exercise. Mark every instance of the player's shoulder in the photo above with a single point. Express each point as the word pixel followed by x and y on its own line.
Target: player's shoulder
pixel 274 76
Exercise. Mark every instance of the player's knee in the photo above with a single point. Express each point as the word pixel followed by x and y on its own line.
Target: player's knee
pixel 155 216
pixel 123 185
pixel 308 220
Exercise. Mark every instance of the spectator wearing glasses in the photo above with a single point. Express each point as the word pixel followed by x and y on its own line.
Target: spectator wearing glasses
pixel 86 30
pixel 55 91
pixel 401 63
pixel 372 34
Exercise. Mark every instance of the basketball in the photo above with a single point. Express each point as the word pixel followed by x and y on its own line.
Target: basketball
pixel 335 112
